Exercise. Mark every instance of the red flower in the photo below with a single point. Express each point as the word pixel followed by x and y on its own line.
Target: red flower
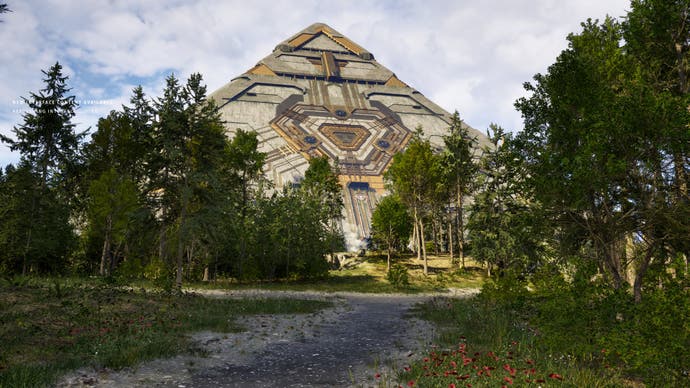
pixel 410 383
pixel 541 380
pixel 451 385
pixel 407 368
pixel 426 359
pixel 453 364
pixel 378 375
pixel 556 376
pixel 508 380
pixel 529 361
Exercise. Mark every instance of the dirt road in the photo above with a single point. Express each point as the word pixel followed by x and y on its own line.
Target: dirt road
pixel 344 346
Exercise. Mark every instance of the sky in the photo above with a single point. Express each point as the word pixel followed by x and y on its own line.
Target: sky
pixel 469 56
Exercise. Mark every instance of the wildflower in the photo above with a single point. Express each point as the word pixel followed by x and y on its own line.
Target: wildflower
pixel 378 375
pixel 453 364
pixel 530 361
pixel 556 376
pixel 410 383
pixel 451 385
pixel 407 368
pixel 508 380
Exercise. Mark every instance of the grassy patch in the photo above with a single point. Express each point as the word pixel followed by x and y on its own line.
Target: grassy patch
pixel 50 327
pixel 485 344
pixel 368 275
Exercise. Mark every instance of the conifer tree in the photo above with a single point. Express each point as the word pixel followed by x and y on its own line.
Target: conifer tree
pixel 49 149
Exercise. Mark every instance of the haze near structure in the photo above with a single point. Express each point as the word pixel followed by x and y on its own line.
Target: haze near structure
pixel 319 93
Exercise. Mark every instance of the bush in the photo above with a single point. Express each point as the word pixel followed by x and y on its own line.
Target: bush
pixel 398 276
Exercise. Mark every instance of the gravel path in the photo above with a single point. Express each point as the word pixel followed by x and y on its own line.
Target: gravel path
pixel 343 346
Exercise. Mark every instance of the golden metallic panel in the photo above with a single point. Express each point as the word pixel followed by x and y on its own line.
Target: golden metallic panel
pixel 301 39
pixel 394 81
pixel 261 69
pixel 328 63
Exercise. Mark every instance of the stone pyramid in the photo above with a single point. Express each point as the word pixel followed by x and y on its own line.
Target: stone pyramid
pixel 319 93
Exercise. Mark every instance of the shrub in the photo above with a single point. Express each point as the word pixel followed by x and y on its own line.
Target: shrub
pixel 398 276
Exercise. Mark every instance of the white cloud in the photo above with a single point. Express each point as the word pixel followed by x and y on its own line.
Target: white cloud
pixel 466 55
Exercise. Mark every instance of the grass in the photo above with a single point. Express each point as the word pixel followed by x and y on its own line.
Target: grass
pixel 481 344
pixel 51 326
pixel 368 275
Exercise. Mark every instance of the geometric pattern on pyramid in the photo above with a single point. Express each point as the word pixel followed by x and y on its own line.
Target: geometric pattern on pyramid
pixel 363 141
pixel 320 93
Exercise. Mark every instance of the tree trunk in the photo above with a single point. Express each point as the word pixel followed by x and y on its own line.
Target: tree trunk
pixel 113 258
pixel 461 229
pixel 450 242
pixel 423 248
pixel 180 244
pixel 637 286
pixel 415 234
pixel 390 240
pixel 205 279
pixel 105 253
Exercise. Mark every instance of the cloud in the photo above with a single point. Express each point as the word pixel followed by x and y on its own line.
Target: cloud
pixel 471 56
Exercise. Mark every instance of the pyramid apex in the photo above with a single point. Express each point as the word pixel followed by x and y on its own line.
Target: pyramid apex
pixel 315 31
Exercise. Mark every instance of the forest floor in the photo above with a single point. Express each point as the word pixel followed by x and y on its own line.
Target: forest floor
pixel 363 340
pixel 368 275
pixel 342 330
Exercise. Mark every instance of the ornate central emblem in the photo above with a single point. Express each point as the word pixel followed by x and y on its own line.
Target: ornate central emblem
pixel 363 141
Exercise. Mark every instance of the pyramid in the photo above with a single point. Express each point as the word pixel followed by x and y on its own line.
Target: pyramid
pixel 319 93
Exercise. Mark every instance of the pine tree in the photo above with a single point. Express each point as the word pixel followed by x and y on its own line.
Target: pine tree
pixel 459 172
pixel 49 149
pixel 47 139
pixel 189 144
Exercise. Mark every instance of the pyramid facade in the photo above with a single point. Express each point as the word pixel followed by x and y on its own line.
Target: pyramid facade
pixel 319 93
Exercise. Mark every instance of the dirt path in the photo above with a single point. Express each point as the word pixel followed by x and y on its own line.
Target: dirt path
pixel 342 346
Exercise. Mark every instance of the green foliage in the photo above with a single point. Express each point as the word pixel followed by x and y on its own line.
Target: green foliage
pixel 321 185
pixel 391 224
pixel 504 224
pixel 414 176
pixel 398 276
pixel 37 235
pixel 484 342
pixel 459 171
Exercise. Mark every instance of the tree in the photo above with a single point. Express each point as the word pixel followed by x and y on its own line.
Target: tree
pixel 116 178
pixel 459 171
pixel 49 150
pixel 244 171
pixel 391 224
pixel 414 175
pixel 601 144
pixel 47 139
pixel 504 220
pixel 657 37
pixel 4 8
pixel 190 149
pixel 321 185
pixel 113 203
